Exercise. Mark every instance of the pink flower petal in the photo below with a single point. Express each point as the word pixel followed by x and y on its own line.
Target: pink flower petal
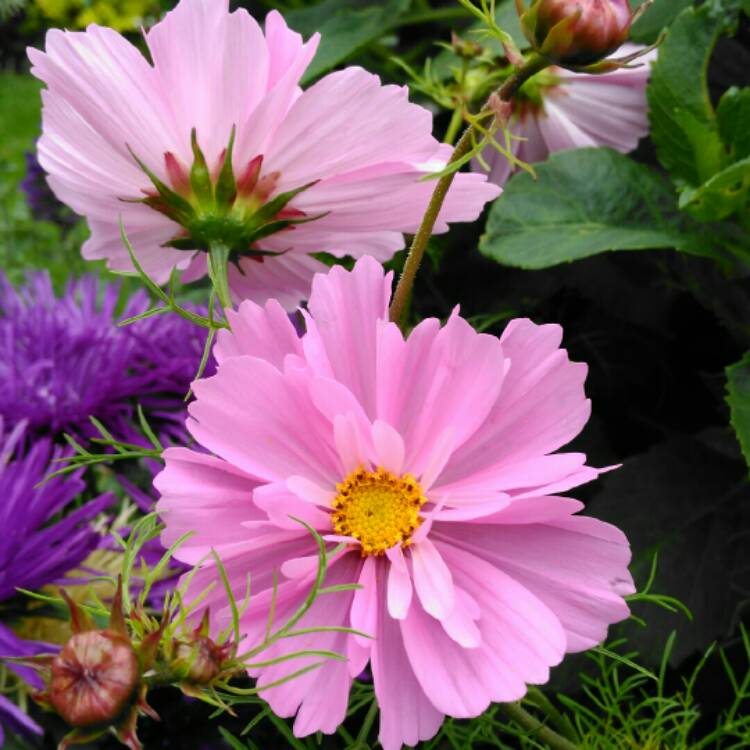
pixel 432 580
pixel 317 710
pixel 461 624
pixel 389 447
pixel 576 565
pixel 350 443
pixel 263 332
pixel 284 507
pixel 541 406
pixel 399 586
pixel 205 497
pixel 345 306
pixel 521 639
pixel 285 278
pixel 364 612
pixel 273 406
pixel 406 714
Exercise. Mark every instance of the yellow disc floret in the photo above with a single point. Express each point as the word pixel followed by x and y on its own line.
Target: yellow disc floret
pixel 378 509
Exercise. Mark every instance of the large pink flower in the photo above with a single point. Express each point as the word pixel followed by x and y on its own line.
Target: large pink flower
pixel 433 459
pixel 364 143
pixel 564 110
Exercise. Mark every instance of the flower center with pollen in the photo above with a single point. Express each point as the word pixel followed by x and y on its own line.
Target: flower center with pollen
pixel 378 509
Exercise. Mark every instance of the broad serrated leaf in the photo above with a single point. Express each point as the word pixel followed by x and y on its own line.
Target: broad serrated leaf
pixel 683 123
pixel 344 27
pixel 733 115
pixel 725 194
pixel 738 398
pixel 583 203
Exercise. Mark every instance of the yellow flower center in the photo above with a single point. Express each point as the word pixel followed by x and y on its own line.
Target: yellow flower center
pixel 378 509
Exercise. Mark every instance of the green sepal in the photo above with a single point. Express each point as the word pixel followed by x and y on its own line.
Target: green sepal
pixel 266 230
pixel 116 615
pixel 200 175
pixel 236 255
pixel 80 737
pixel 560 37
pixel 183 243
pixel 179 209
pixel 226 185
pixel 126 732
pixel 267 211
pixel 177 214
pixel 80 620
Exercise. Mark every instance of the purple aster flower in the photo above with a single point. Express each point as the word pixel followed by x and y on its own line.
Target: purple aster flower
pixel 12 717
pixel 42 202
pixel 63 359
pixel 34 550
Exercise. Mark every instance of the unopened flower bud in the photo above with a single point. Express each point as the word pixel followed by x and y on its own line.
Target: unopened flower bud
pixel 199 659
pixel 465 48
pixel 94 678
pixel 576 32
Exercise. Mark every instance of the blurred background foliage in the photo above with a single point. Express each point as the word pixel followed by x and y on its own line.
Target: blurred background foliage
pixel 665 330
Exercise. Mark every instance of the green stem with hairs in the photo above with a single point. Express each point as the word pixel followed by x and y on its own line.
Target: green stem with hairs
pixel 218 262
pixel 506 92
pixel 535 727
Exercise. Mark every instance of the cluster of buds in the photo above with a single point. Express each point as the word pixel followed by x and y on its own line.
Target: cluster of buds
pixel 577 34
pixel 99 680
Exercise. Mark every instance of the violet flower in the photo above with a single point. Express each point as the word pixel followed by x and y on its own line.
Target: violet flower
pixel 33 551
pixel 64 359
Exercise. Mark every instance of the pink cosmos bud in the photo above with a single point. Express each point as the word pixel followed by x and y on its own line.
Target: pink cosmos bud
pixel 576 32
pixel 94 678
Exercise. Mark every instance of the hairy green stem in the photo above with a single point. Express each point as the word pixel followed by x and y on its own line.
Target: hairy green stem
pixel 218 261
pixel 535 727
pixel 506 92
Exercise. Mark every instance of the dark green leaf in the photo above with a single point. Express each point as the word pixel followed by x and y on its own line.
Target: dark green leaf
pixel 583 203
pixel 723 195
pixel 683 124
pixel 660 15
pixel 345 27
pixel 734 121
pixel 738 398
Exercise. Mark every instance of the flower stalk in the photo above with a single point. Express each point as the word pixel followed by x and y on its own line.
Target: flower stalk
pixel 533 65
pixel 540 730
pixel 218 266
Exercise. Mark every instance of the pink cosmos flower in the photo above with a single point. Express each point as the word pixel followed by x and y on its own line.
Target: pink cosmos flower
pixel 362 144
pixel 432 458
pixel 564 110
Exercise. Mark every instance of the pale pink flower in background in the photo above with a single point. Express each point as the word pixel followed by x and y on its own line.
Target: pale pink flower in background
pixel 364 143
pixel 577 110
pixel 432 458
